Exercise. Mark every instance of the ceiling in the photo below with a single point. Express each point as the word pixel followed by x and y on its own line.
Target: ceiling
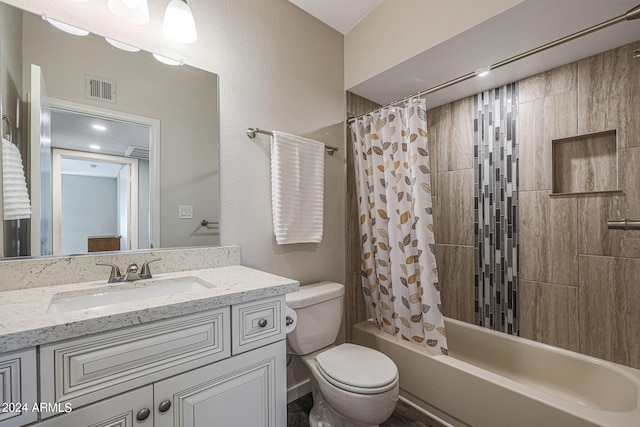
pixel 77 132
pixel 338 14
pixel 525 26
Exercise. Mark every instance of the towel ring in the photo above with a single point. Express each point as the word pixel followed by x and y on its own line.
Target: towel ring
pixel 5 119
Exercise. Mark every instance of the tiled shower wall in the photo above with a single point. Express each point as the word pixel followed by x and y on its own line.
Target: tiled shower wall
pixel 579 281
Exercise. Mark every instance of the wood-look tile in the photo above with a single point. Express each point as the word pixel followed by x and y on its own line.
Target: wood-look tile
pixel 436 219
pixel 549 83
pixel 630 181
pixel 432 130
pixel 549 314
pixel 456 208
pixel 357 105
pixel 548 238
pixel 585 164
pixel 454 135
pixel 609 297
pixel 595 210
pixel 456 279
pixel 540 121
pixel 595 237
pixel 609 89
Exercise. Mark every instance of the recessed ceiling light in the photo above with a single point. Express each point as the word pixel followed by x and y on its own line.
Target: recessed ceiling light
pixel 483 71
pixel 99 127
pixel 94 147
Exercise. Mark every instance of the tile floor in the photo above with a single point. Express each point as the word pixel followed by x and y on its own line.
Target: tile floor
pixel 403 416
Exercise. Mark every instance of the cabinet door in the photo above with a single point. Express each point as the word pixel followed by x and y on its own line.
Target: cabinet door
pixel 245 390
pixel 124 410
pixel 18 388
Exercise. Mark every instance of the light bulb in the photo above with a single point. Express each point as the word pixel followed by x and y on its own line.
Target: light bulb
pixel 135 11
pixel 178 22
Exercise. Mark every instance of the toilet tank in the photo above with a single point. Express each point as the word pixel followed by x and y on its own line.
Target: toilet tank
pixel 319 309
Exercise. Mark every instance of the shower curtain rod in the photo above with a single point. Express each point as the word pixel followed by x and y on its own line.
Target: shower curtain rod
pixel 629 16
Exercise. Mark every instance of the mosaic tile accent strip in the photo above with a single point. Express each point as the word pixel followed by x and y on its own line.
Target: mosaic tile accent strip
pixel 496 208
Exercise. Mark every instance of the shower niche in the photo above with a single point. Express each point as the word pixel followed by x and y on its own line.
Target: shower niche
pixel 585 163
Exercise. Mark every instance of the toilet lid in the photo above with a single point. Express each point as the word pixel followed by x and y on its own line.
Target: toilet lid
pixel 358 369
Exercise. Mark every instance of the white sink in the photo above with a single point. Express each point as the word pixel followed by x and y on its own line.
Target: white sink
pixel 97 301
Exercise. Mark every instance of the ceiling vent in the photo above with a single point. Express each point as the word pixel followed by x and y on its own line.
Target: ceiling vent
pixel 141 153
pixel 100 89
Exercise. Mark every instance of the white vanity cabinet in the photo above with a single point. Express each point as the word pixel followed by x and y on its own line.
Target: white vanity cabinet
pixel 245 390
pixel 18 387
pixel 187 371
pixel 131 409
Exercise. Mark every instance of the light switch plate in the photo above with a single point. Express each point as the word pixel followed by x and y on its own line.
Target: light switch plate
pixel 185 212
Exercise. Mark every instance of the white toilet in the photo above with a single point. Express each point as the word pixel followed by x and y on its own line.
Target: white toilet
pixel 352 386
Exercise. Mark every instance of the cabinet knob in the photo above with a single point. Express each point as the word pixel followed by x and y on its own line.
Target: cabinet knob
pixel 262 323
pixel 164 406
pixel 143 414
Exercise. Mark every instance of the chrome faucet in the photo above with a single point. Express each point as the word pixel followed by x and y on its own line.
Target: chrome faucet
pixel 145 272
pixel 131 274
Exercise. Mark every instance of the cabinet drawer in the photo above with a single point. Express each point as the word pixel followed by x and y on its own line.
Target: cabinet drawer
pixel 18 387
pixel 87 369
pixel 257 323
pixel 118 411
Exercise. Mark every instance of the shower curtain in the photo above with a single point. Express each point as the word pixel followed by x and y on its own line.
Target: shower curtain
pixel 399 272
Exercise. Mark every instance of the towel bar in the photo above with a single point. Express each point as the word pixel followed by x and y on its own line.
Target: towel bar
pixel 251 133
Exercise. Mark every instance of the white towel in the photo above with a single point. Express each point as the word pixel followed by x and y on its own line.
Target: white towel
pixel 297 188
pixel 15 197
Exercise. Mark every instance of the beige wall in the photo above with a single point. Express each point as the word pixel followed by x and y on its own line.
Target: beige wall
pixel 400 33
pixel 578 280
pixel 279 68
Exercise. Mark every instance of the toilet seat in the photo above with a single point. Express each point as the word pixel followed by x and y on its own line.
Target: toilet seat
pixel 357 369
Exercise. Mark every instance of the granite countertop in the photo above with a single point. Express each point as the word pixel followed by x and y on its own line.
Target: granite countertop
pixel 24 321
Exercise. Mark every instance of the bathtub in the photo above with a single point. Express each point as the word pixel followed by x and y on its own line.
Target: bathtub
pixel 494 379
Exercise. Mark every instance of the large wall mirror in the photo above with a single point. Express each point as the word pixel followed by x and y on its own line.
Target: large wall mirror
pixel 120 150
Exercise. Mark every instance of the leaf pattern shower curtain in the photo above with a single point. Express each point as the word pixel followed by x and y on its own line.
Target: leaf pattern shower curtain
pixel 399 272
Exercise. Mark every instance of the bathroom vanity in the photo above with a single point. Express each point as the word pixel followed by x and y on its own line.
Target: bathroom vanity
pixel 203 345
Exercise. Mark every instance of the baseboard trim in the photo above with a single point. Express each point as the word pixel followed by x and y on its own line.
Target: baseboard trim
pixel 298 390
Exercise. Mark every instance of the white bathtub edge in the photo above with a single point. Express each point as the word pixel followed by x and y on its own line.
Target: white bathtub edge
pixel 466 400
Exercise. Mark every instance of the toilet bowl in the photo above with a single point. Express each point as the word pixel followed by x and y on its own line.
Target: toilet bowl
pixel 352 385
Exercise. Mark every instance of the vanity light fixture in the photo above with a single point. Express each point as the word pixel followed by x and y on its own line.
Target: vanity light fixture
pixel 483 71
pixel 69 29
pixel 178 22
pixel 167 61
pixel 135 11
pixel 122 46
